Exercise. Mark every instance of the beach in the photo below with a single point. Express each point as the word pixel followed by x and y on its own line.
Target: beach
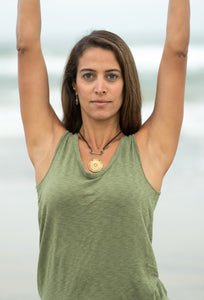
pixel 178 237
pixel 178 228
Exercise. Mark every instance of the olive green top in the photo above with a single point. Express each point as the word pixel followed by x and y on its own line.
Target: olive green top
pixel 96 229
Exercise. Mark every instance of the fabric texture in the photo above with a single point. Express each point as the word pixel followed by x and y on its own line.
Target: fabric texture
pixel 96 229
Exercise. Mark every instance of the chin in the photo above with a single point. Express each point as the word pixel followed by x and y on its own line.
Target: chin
pixel 100 115
pixel 104 117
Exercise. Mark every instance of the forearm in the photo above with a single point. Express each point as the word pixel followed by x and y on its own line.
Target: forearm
pixel 178 26
pixel 28 27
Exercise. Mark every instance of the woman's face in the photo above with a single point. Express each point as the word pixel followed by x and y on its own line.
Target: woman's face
pixel 99 85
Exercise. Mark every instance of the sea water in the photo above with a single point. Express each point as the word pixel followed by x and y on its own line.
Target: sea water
pixel 178 228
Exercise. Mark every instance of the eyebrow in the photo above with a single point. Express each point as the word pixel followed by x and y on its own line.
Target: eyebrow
pixel 113 70
pixel 107 71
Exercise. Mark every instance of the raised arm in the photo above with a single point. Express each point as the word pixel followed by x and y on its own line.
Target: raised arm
pixel 160 134
pixel 41 125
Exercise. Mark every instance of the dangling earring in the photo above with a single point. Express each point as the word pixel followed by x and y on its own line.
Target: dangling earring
pixel 76 99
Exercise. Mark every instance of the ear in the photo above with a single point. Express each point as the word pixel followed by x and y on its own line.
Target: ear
pixel 74 86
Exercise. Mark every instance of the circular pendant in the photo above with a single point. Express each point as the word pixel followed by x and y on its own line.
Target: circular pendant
pixel 95 165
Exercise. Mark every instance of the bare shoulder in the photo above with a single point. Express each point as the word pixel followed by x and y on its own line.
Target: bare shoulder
pixel 45 153
pixel 150 163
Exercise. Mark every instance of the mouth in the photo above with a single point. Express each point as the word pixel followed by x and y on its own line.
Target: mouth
pixel 100 103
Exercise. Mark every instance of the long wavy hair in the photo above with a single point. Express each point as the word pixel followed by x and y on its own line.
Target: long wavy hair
pixel 130 111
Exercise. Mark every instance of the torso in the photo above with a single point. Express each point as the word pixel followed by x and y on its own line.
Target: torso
pixel 90 225
pixel 152 174
pixel 106 157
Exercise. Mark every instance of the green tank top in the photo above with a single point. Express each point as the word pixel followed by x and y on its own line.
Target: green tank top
pixel 96 229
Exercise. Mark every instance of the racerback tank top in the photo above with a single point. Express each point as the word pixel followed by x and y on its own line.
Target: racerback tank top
pixel 96 229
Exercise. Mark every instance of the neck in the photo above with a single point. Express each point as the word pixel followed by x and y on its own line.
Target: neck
pixel 100 134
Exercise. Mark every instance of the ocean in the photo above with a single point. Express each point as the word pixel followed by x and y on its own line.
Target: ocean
pixel 178 229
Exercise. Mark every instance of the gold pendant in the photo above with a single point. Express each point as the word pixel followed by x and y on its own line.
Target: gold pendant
pixel 95 165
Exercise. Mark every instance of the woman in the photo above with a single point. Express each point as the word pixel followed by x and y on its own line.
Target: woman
pixel 99 172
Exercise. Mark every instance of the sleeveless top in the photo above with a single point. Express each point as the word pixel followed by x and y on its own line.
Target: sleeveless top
pixel 96 229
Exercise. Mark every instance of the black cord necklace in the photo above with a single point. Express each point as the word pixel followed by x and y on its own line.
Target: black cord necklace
pixel 96 165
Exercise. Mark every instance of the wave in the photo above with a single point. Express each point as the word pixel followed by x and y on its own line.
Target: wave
pixel 147 58
pixel 193 124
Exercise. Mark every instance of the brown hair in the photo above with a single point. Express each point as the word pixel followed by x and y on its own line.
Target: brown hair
pixel 130 111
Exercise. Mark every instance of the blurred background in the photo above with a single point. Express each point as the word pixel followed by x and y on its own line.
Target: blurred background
pixel 179 227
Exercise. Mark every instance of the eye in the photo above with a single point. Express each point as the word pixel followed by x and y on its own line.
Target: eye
pixel 112 76
pixel 88 76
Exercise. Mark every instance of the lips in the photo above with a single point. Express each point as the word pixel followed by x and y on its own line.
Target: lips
pixel 100 103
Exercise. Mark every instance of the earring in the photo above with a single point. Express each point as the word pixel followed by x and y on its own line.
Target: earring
pixel 76 99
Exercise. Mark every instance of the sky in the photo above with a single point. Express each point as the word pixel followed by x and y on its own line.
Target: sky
pixel 132 19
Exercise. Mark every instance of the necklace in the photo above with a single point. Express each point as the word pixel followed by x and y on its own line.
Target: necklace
pixel 96 165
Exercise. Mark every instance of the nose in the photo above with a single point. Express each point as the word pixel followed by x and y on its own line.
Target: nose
pixel 100 87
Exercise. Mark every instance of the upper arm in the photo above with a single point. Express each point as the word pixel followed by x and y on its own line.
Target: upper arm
pixel 39 120
pixel 164 125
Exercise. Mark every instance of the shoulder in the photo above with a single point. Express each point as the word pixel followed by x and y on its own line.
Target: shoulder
pixel 149 160
pixel 45 155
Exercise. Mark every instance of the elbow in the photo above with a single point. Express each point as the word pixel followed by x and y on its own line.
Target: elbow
pixel 182 52
pixel 26 40
pixel 19 45
pixel 24 44
pixel 178 43
pixel 181 47
pixel 178 47
pixel 21 38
